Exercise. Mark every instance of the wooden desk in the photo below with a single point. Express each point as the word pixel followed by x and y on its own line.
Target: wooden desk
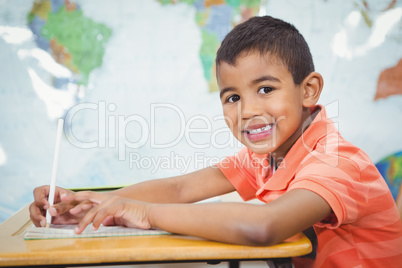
pixel 15 251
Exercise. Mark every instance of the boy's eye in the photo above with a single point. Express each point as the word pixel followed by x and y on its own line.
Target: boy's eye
pixel 233 98
pixel 265 90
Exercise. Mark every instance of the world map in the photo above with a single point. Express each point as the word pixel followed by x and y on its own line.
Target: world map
pixel 119 61
pixel 78 42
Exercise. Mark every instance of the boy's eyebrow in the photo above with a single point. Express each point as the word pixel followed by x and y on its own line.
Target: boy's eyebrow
pixel 224 90
pixel 254 82
pixel 265 78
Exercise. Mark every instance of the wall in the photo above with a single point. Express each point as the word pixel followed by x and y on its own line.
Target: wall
pixel 141 102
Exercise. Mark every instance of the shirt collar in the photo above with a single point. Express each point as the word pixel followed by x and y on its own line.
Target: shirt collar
pixel 319 128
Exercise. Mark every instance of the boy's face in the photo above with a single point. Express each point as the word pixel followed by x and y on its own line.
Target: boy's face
pixel 262 105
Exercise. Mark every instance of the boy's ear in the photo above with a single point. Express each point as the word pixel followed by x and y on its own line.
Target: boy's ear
pixel 312 87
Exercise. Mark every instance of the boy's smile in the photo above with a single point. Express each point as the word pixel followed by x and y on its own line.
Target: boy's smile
pixel 262 105
pixel 258 132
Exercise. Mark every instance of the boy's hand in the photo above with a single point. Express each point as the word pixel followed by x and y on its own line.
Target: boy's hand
pixel 110 210
pixel 60 211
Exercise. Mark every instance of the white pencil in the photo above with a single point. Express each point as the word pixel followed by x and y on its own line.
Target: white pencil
pixel 52 189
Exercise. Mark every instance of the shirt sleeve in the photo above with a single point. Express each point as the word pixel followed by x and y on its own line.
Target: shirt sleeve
pixel 239 171
pixel 338 184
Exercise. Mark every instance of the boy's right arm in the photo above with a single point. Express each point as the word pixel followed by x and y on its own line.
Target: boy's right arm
pixel 189 188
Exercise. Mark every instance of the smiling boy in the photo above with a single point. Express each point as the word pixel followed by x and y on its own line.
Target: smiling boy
pixel 294 160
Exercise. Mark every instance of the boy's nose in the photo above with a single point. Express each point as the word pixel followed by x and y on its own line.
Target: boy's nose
pixel 250 109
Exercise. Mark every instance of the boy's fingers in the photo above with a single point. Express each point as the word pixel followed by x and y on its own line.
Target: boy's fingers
pixel 83 196
pixel 88 218
pixel 81 207
pixel 60 208
pixel 100 217
pixel 60 192
pixel 40 196
pixel 35 213
pixel 109 221
pixel 95 216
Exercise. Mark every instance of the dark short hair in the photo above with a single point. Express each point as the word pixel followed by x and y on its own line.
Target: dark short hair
pixel 268 35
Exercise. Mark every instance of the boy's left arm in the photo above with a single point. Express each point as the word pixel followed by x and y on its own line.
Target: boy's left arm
pixel 242 223
pixel 237 223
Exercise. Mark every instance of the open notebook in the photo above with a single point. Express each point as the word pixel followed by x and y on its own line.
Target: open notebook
pixel 67 231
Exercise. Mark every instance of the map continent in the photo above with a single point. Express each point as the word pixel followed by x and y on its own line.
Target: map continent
pixel 74 41
pixel 215 19
pixel 391 169
pixel 390 82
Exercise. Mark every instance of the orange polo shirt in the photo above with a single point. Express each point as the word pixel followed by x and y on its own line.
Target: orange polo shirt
pixel 364 230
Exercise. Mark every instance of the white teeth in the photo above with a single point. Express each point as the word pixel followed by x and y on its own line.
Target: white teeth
pixel 258 130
